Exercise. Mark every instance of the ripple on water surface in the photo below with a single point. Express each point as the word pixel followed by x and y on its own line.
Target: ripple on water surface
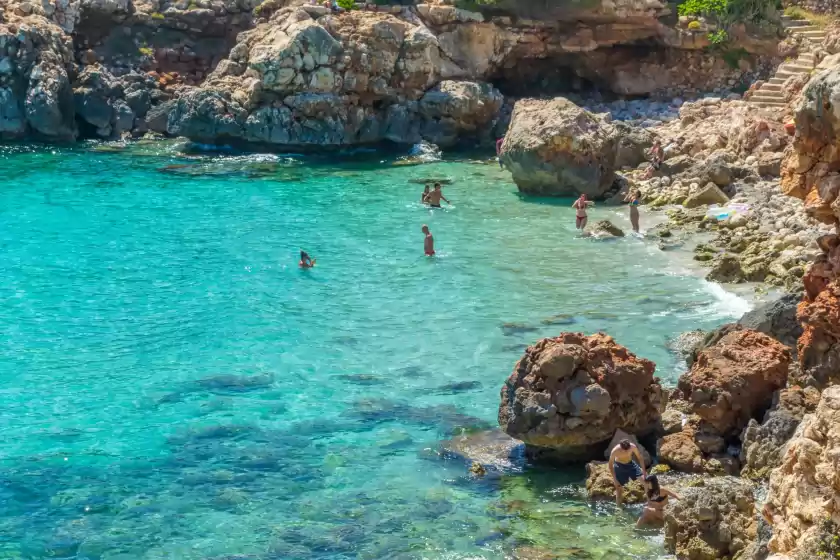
pixel 175 387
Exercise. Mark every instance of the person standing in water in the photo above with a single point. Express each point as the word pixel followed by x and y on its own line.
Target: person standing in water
pixel 634 197
pixel 499 143
pixel 428 242
pixel 305 260
pixel 424 197
pixel 435 197
pixel 625 464
pixel 581 204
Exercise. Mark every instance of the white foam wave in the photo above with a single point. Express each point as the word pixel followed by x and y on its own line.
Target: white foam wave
pixel 425 152
pixel 727 304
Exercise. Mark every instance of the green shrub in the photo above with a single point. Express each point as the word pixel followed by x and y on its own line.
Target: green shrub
pixel 146 51
pixel 727 12
pixel 346 4
pixel 718 37
pixel 694 25
pixel 158 15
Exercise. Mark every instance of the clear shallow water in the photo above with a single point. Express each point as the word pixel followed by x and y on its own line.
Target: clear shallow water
pixel 173 386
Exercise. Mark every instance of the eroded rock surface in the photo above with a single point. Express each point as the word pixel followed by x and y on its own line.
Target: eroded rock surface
pixel 734 380
pixel 568 395
pixel 713 520
pixel 805 489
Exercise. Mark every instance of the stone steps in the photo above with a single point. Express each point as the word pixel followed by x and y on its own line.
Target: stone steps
pixel 771 93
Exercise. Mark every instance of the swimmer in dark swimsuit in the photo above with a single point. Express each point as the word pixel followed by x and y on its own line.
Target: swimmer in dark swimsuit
pixel 305 260
pixel 657 500
pixel 428 242
pixel 435 197
pixel 626 464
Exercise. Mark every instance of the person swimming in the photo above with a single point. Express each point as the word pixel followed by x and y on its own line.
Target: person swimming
pixel 428 242
pixel 581 204
pixel 305 260
pixel 634 197
pixel 435 196
pixel 424 196
pixel 652 514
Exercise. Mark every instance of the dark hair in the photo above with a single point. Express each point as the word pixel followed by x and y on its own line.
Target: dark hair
pixel 437 185
pixel 303 255
pixel 653 482
pixel 625 444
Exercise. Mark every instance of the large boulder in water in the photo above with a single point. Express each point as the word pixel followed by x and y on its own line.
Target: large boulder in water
pixel 568 395
pixel 553 147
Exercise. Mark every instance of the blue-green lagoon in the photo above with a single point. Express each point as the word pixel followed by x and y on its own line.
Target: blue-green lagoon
pixel 175 387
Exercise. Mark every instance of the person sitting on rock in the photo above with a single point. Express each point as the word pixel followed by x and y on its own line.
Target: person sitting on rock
pixel 657 156
pixel 658 497
pixel 626 464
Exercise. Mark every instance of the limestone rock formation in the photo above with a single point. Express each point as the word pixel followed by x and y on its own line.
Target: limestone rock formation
pixel 819 346
pixel 809 171
pixel 763 444
pixel 711 521
pixel 568 395
pixel 710 194
pixel 556 148
pixel 734 380
pixel 805 489
pixel 35 95
pixel 695 448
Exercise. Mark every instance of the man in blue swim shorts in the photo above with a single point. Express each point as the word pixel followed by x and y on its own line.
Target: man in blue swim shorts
pixel 626 464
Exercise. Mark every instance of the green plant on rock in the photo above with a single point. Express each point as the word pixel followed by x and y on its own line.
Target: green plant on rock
pixel 346 4
pixel 828 544
pixel 795 12
pixel 158 15
pixel 718 37
pixel 146 51
pixel 694 25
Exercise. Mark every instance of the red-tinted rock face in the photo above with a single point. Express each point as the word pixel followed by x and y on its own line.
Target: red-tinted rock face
pixel 734 380
pixel 568 395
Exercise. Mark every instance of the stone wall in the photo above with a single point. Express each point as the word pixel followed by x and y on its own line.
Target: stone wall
pixel 817 6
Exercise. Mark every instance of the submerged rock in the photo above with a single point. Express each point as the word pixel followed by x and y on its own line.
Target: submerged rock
pixel 605 228
pixel 568 395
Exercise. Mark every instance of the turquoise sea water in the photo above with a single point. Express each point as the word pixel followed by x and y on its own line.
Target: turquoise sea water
pixel 173 386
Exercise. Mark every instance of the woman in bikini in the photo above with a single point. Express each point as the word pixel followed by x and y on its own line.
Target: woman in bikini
pixel 657 500
pixel 581 204
pixel 634 197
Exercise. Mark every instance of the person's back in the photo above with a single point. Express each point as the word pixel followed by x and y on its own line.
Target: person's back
pixel 435 197
pixel 428 242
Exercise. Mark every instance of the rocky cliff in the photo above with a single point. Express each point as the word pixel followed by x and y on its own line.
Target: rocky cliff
pixel 289 73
